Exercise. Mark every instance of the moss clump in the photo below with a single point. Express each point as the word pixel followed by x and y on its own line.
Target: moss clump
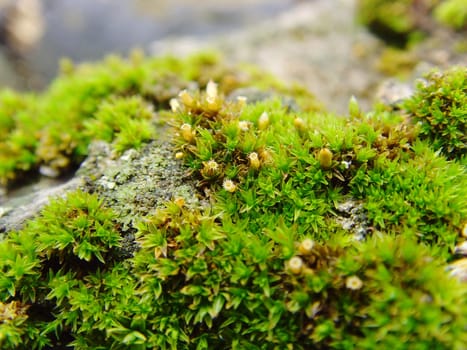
pixel 71 240
pixel 396 62
pixel 397 22
pixel 452 13
pixel 401 22
pixel 107 101
pixel 440 106
pixel 125 121
pixel 261 260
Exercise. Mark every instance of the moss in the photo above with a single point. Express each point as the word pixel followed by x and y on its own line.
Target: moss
pixel 403 22
pixel 397 22
pixel 452 13
pixel 107 101
pixel 252 251
pixel 440 106
pixel 395 62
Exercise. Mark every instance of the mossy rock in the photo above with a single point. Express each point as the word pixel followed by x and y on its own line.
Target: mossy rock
pixel 255 254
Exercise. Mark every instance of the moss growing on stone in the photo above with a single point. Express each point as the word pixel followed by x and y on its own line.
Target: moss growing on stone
pixel 440 106
pixel 109 101
pixel 255 252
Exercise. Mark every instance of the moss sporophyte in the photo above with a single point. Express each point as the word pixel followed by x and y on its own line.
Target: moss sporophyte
pixel 260 251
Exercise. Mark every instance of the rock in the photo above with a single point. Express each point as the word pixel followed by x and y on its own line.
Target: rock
pixel 16 211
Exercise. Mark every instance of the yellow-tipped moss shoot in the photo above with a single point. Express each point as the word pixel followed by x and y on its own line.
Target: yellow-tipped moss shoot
pixel 295 265
pixel 186 99
pixel 306 246
pixel 211 91
pixel 210 169
pixel 464 230
pixel 241 100
pixel 254 161
pixel 263 121
pixel 299 124
pixel 229 185
pixel 187 133
pixel 325 158
pixel 174 105
pixel 244 125
pixel 353 283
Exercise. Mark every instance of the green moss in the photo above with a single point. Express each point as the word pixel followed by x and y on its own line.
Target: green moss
pixel 394 21
pixel 452 13
pixel 109 101
pixel 261 259
pixel 402 22
pixel 395 62
pixel 440 106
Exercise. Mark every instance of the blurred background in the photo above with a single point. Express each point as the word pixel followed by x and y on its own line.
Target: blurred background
pixel 317 43
pixel 35 34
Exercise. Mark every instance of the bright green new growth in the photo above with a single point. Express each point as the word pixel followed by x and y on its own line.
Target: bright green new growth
pixel 71 241
pixel 125 121
pixel 440 105
pixel 265 262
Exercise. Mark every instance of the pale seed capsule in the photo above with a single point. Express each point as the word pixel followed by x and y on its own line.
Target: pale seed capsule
pixel 174 105
pixel 266 156
pixel 295 265
pixel 244 125
pixel 212 97
pixel 353 283
pixel 263 121
pixel 464 231
pixel 241 101
pixel 229 185
pixel 299 124
pixel 187 132
pixel 186 98
pixel 211 169
pixel 306 246
pixel 325 158
pixel 211 90
pixel 254 161
pixel 179 155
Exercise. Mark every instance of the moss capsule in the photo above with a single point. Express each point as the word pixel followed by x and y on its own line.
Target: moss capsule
pixel 306 246
pixel 229 185
pixel 244 125
pixel 299 124
pixel 263 121
pixel 210 169
pixel 254 161
pixel 186 99
pixel 325 158
pixel 241 101
pixel 187 133
pixel 295 265
pixel 353 283
pixel 174 105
